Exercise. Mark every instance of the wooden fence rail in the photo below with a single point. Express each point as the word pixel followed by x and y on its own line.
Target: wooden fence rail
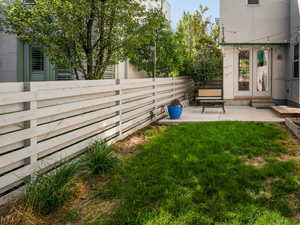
pixel 43 123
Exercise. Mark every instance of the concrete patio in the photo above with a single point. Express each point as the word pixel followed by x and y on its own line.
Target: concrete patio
pixel 233 113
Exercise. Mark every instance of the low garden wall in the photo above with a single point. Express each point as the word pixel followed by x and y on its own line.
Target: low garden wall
pixel 44 123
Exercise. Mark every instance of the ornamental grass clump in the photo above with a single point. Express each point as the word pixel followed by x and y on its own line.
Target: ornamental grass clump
pixel 98 158
pixel 49 191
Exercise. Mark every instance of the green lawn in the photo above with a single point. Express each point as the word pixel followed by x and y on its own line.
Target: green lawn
pixel 201 173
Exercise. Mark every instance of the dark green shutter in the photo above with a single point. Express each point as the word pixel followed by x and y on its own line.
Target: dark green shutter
pixel 38 65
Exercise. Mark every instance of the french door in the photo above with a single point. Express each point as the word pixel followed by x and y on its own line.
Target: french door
pixel 254 73
pixel 262 77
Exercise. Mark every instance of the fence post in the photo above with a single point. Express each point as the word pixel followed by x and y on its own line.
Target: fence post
pixel 173 84
pixel 32 142
pixel 119 93
pixel 155 95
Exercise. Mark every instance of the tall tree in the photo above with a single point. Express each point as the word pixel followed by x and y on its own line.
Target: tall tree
pixel 154 49
pixel 198 36
pixel 85 35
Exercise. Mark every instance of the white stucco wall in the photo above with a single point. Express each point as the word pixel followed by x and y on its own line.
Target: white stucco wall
pixel 8 58
pixel 263 23
pixel 279 72
pixel 231 72
pixel 228 72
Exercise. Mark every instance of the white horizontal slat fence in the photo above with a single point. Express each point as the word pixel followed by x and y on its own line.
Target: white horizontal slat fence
pixel 43 123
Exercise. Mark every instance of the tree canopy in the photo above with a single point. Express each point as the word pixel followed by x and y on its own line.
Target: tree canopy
pixel 89 35
pixel 198 36
pixel 155 41
pixel 85 35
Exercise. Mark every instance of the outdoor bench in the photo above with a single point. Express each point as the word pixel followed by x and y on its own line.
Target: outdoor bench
pixel 210 98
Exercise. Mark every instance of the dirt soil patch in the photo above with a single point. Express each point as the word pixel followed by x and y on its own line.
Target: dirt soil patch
pixel 131 144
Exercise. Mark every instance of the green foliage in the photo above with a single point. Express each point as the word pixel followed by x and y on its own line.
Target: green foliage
pixel 86 36
pixel 198 36
pixel 149 133
pixel 154 36
pixel 98 158
pixel 50 190
pixel 73 214
pixel 152 115
pixel 203 70
pixel 196 174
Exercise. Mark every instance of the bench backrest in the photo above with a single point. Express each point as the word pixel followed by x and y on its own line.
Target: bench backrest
pixel 210 93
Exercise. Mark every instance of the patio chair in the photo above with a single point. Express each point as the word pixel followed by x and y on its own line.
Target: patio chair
pixel 210 98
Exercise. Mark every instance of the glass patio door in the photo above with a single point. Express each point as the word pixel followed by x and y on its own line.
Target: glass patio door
pixel 262 73
pixel 243 87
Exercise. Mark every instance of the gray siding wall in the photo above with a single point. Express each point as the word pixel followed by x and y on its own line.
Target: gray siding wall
pixel 8 58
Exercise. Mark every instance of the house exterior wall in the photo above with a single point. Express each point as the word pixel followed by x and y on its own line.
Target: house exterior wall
pixel 279 72
pixel 254 27
pixel 8 58
pixel 167 9
pixel 231 71
pixel 229 53
pixel 267 22
pixel 293 82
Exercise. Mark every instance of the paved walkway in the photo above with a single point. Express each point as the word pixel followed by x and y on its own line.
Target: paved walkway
pixel 233 113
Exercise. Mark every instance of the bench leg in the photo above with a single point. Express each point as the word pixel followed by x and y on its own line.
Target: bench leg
pixel 203 108
pixel 223 107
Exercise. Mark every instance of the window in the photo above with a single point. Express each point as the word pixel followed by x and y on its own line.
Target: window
pixel 296 60
pixel 262 71
pixel 37 58
pixel 28 2
pixel 244 71
pixel 253 2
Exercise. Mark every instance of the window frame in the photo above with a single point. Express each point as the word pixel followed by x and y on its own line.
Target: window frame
pixel 296 61
pixel 250 2
pixel 240 70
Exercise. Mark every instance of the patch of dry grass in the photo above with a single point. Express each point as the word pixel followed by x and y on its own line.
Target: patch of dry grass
pixel 21 216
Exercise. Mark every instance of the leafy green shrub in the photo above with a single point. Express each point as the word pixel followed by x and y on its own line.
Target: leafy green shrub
pixel 50 190
pixel 98 158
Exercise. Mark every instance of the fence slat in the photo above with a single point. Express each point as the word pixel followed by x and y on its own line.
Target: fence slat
pixel 47 122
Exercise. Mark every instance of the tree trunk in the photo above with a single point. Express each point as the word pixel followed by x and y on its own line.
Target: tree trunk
pixel 89 43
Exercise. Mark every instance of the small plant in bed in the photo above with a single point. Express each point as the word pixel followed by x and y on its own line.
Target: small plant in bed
pixel 98 158
pixel 49 191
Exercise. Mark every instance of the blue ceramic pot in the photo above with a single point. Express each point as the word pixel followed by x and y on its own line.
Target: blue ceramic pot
pixel 175 111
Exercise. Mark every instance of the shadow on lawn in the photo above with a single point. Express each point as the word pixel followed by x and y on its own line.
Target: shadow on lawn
pixel 196 174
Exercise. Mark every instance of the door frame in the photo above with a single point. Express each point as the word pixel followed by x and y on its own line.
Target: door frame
pixel 243 93
pixel 267 93
pixel 251 93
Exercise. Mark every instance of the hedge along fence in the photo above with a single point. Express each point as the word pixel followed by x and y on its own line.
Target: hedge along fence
pixel 43 123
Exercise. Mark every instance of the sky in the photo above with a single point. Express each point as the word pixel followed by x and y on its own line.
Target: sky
pixel 179 6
